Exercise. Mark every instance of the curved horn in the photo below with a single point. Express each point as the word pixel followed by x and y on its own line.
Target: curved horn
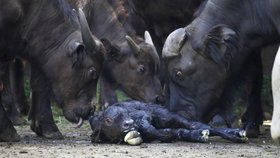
pixel 148 39
pixel 135 48
pixel 173 43
pixel 91 42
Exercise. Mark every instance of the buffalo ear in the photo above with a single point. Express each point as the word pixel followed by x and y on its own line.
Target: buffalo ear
pixel 95 124
pixel 112 52
pixel 220 44
pixel 76 51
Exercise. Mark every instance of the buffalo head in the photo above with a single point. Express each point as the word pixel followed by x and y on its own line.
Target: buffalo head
pixel 111 125
pixel 134 65
pixel 77 65
pixel 197 71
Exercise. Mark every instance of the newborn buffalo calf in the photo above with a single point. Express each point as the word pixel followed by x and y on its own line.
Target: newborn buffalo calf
pixel 134 121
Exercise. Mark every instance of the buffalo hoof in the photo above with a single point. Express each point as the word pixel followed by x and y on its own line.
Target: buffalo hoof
pixel 18 120
pixel 24 109
pixel 252 130
pixel 235 135
pixel 133 138
pixel 46 131
pixel 205 135
pixel 9 135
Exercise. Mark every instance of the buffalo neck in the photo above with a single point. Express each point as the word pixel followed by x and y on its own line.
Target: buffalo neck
pixel 44 29
pixel 251 19
pixel 103 21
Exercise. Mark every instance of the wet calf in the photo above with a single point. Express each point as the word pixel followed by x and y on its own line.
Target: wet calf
pixel 134 122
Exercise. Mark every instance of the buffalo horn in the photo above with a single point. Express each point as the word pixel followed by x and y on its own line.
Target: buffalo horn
pixel 173 43
pixel 135 48
pixel 148 39
pixel 80 123
pixel 91 42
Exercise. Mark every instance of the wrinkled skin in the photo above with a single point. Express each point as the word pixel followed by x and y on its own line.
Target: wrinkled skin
pixel 189 91
pixel 65 58
pixel 153 122
pixel 131 62
pixel 220 46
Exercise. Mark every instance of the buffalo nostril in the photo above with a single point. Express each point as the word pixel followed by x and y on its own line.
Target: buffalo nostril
pixel 128 123
pixel 159 99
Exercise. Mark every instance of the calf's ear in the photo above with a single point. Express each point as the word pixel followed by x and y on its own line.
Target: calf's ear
pixel 95 124
pixel 221 43
pixel 112 52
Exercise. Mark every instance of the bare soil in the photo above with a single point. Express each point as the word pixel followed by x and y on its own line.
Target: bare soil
pixel 77 144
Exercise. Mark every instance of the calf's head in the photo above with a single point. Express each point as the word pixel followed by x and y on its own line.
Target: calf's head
pixel 197 72
pixel 111 125
pixel 134 66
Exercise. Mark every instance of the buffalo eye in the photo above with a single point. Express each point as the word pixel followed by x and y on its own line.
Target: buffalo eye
pixel 92 73
pixel 178 74
pixel 141 69
pixel 108 121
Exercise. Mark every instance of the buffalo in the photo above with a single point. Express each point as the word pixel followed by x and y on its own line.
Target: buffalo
pixel 135 121
pixel 65 58
pixel 275 126
pixel 131 62
pixel 206 58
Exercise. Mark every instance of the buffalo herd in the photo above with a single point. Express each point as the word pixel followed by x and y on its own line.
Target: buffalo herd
pixel 182 63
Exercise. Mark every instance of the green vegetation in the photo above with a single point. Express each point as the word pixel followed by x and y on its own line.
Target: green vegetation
pixel 267 92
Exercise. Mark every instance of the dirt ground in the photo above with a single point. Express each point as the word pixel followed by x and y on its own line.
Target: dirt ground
pixel 77 144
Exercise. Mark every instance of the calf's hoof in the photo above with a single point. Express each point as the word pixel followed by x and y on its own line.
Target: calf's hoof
pixel 48 131
pixel 133 138
pixel 236 135
pixel 9 135
pixel 205 135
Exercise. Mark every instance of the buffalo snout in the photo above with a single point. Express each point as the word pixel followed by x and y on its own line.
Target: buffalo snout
pixel 159 99
pixel 127 124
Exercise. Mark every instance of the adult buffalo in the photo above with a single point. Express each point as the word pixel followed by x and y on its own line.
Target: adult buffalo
pixel 205 58
pixel 65 58
pixel 275 126
pixel 161 17
pixel 131 62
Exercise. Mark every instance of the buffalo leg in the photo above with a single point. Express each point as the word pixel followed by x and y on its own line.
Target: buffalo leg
pixel 8 100
pixel 7 131
pixel 176 121
pixel 42 122
pixel 199 135
pixel 234 135
pixel 149 132
pixel 17 86
pixel 253 117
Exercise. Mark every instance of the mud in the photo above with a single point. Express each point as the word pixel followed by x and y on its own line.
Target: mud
pixel 77 144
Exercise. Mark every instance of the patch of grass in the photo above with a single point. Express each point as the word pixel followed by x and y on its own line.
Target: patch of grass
pixel 58 115
pixel 267 91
